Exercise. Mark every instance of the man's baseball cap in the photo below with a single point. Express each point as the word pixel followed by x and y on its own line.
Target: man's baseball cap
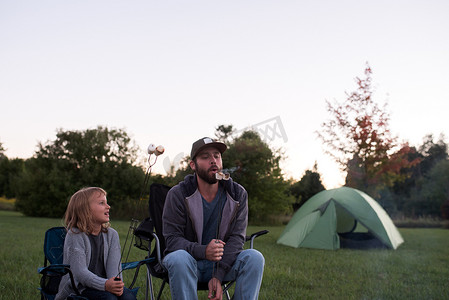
pixel 206 142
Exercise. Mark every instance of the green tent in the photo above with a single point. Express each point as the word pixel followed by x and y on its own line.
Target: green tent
pixel 341 218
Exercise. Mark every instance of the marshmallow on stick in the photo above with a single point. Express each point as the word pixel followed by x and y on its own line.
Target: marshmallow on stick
pixel 222 176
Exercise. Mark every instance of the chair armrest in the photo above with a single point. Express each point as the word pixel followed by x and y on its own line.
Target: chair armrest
pixel 254 235
pixel 59 269
pixel 137 265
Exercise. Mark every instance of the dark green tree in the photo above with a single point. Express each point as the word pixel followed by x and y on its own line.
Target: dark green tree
pixel 432 152
pixel 4 164
pixel 10 171
pixel 309 184
pixel 255 166
pixel 423 191
pixel 431 192
pixel 95 157
pixel 2 151
pixel 224 133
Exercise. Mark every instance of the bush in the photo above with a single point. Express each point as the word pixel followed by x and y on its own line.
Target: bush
pixel 98 157
pixel 7 204
pixel 418 222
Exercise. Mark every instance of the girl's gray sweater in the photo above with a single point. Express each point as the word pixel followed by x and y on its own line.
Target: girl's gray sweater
pixel 77 253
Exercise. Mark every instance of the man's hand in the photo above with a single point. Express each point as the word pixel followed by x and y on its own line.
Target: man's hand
pixel 114 286
pixel 215 289
pixel 214 250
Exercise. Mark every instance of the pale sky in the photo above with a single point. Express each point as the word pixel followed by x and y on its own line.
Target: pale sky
pixel 169 72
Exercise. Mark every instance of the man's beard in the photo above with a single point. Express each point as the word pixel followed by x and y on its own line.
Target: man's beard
pixel 204 174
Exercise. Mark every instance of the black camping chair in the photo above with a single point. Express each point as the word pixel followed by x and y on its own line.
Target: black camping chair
pixel 54 269
pixel 151 228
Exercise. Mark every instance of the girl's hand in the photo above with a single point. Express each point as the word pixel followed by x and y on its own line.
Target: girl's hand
pixel 114 286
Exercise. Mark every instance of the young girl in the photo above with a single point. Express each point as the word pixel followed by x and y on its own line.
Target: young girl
pixel 92 249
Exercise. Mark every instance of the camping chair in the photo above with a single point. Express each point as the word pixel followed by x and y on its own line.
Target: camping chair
pixel 151 228
pixel 53 269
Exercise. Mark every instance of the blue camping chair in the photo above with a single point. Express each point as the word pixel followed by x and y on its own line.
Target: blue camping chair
pixel 54 269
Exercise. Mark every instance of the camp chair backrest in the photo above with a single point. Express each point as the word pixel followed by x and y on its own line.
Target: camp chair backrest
pixel 158 193
pixel 54 244
pixel 144 233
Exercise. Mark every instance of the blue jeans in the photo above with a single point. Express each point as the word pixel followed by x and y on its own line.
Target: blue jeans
pixel 183 274
pixel 93 294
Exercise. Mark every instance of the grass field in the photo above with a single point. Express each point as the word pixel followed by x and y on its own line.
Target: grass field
pixel 418 269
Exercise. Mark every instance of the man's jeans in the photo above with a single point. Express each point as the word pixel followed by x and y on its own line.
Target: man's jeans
pixel 183 273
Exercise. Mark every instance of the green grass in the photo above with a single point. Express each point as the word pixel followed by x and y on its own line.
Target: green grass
pixel 418 269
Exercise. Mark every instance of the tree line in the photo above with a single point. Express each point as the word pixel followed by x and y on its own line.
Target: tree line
pixel 106 157
pixel 406 180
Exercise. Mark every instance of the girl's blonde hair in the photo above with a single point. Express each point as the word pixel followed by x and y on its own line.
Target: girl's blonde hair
pixel 78 214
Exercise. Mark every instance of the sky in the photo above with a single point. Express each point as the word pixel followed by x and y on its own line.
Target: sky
pixel 170 72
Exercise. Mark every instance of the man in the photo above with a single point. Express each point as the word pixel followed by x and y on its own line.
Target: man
pixel 204 225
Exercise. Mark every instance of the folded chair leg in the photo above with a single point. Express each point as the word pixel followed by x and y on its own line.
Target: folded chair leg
pixel 161 289
pixel 226 290
pixel 149 286
pixel 227 295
